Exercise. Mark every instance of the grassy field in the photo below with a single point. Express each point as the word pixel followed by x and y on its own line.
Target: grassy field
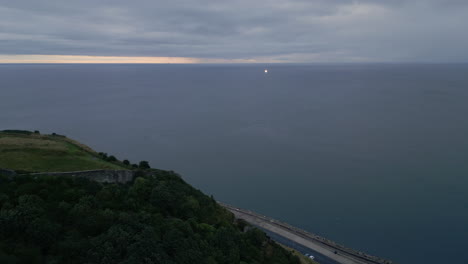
pixel 48 153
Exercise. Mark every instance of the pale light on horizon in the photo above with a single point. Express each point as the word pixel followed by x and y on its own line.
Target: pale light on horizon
pixel 6 58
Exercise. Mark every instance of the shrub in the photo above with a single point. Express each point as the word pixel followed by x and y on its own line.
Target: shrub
pixel 144 165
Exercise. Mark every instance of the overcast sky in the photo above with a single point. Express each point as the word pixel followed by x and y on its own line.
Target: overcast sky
pixel 250 30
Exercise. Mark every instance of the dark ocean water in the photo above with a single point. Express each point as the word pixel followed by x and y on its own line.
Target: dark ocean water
pixel 372 156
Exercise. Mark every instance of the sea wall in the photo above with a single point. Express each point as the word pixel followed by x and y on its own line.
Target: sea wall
pixel 109 176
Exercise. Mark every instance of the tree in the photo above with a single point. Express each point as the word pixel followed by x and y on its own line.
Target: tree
pixel 158 218
pixel 126 162
pixel 144 165
pixel 103 155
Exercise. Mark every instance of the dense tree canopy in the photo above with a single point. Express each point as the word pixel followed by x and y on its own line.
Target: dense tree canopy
pixel 155 219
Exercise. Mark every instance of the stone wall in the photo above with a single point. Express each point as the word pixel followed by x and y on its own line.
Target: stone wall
pixel 8 173
pixel 109 176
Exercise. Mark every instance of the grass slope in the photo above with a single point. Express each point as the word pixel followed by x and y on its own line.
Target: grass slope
pixel 46 153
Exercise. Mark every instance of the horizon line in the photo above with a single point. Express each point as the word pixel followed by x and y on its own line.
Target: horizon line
pixel 90 59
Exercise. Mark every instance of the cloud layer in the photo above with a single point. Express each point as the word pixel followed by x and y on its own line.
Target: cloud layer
pixel 263 30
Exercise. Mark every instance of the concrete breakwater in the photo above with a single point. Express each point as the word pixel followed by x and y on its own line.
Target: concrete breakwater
pixel 107 176
pixel 319 244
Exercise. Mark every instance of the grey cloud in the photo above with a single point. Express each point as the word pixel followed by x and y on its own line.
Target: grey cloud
pixel 295 30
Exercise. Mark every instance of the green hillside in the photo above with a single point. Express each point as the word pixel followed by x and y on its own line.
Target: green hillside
pixel 33 152
pixel 158 218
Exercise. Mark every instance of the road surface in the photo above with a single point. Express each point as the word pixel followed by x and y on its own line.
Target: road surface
pixel 300 248
pixel 326 250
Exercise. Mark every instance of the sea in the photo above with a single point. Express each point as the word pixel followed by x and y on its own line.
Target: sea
pixel 372 156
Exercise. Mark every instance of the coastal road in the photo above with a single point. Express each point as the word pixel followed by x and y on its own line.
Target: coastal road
pixel 300 248
pixel 326 251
